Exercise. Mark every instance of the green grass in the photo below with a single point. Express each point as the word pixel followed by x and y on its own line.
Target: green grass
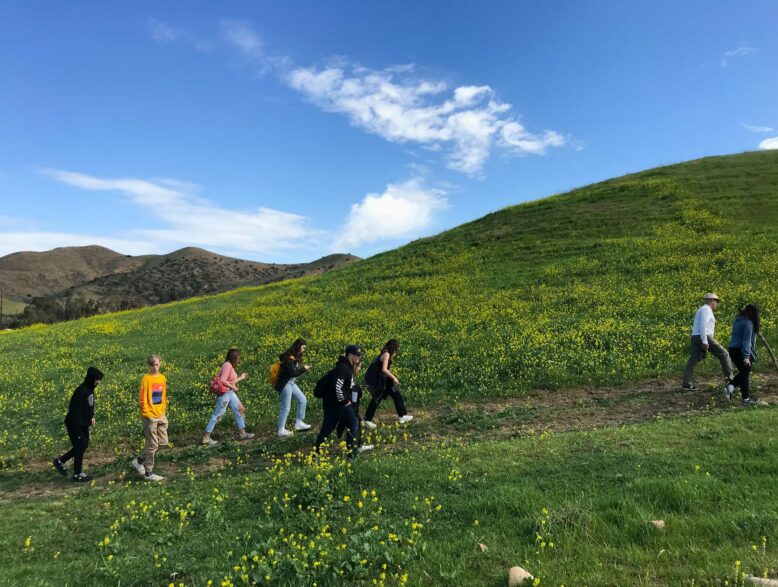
pixel 592 288
pixel 598 286
pixel 592 494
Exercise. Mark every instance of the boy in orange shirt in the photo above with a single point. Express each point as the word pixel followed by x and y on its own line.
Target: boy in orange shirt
pixel 153 402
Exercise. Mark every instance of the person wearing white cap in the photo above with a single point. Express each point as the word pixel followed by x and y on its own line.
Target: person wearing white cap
pixel 703 341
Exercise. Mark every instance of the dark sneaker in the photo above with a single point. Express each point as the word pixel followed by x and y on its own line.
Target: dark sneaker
pixel 81 478
pixel 749 401
pixel 59 467
pixel 690 387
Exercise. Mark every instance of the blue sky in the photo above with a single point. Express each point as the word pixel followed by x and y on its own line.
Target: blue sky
pixel 283 131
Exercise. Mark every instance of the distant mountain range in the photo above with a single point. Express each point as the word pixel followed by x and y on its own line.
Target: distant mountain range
pixel 94 279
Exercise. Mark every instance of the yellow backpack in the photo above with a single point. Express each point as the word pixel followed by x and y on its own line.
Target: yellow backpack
pixel 272 373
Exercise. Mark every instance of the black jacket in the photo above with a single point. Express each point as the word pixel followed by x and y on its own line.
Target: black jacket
pixel 82 403
pixel 339 393
pixel 289 369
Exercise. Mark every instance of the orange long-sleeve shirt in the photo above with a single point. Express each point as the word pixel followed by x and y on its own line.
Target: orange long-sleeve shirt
pixel 152 398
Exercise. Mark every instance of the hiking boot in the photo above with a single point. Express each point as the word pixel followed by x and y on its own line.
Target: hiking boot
pixel 152 477
pixel 366 447
pixel 728 391
pixel 371 425
pixel 81 478
pixel 138 467
pixel 284 433
pixel 749 401
pixel 300 425
pixel 244 435
pixel 404 419
pixel 60 467
pixel 690 387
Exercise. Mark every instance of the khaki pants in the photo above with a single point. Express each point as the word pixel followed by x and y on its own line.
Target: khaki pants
pixel 698 354
pixel 155 431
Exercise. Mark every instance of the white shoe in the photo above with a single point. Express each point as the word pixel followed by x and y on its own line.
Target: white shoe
pixel 138 467
pixel 209 442
pixel 152 477
pixel 300 425
pixel 366 447
pixel 728 391
pixel 405 418
pixel 284 433
pixel 371 425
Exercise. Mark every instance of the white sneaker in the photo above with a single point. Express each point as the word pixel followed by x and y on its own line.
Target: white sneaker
pixel 728 391
pixel 300 425
pixel 366 447
pixel 138 467
pixel 209 441
pixel 284 433
pixel 152 477
pixel 405 418
pixel 371 425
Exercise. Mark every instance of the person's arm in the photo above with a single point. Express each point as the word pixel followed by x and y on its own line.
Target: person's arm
pixel 385 368
pixel 90 404
pixel 745 341
pixel 706 315
pixel 342 386
pixel 142 399
pixel 224 376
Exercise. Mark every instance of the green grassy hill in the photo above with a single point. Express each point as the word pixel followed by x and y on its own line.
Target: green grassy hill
pixel 594 288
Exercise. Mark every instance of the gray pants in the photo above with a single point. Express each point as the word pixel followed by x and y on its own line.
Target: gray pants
pixel 698 354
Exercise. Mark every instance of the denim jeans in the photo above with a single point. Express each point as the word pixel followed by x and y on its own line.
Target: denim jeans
pixel 229 398
pixel 285 399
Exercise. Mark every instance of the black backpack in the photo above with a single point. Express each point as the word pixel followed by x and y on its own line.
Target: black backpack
pixel 324 384
pixel 371 375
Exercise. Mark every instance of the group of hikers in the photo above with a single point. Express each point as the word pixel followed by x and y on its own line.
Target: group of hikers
pixel 741 352
pixel 341 396
pixel 337 389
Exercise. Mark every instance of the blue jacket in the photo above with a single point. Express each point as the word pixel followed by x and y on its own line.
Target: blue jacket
pixel 743 337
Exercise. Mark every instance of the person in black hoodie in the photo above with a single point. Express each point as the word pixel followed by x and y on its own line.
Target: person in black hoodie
pixel 80 416
pixel 337 399
pixel 291 368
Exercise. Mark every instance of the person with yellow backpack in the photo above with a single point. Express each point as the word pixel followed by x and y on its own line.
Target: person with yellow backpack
pixel 283 376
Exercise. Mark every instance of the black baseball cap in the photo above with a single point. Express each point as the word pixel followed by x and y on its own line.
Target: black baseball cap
pixel 354 349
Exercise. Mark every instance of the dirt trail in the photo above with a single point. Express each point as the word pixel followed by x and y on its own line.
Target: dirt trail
pixel 569 409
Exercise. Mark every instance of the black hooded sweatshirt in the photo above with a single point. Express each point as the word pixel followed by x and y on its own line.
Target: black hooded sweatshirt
pixel 82 402
pixel 339 393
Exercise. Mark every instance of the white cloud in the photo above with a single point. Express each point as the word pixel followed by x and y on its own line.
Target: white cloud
pixel 741 51
pixel 242 37
pixel 752 128
pixel 162 32
pixel 193 220
pixel 400 107
pixel 402 210
pixel 769 144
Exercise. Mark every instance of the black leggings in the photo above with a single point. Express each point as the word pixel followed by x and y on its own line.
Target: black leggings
pixel 743 371
pixel 79 438
pixel 378 396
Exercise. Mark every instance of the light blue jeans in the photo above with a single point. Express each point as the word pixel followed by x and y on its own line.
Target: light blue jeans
pixel 229 398
pixel 285 399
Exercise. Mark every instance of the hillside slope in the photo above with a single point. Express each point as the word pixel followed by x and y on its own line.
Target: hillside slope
pixel 595 286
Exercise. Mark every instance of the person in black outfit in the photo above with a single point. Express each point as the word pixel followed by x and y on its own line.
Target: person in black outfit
pixel 383 383
pixel 80 416
pixel 356 397
pixel 337 400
